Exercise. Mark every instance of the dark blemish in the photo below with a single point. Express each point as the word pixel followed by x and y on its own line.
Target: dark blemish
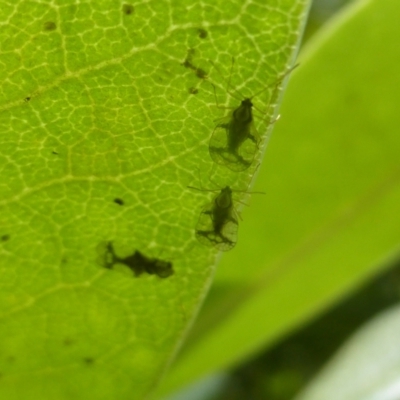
pixel 193 90
pixel 189 58
pixel 128 9
pixel 49 26
pixel 201 73
pixel 88 360
pixel 4 238
pixel 138 263
pixel 202 33
pixel 68 342
pixel 119 201
pixel 55 153
pixel 188 63
pixel 27 99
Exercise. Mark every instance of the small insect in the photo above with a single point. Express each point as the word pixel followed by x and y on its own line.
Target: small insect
pixel 218 222
pixel 235 141
pixel 138 263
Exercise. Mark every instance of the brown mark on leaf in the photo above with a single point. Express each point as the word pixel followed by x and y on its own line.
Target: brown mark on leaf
pixel 49 26
pixel 202 33
pixel 128 9
pixel 188 63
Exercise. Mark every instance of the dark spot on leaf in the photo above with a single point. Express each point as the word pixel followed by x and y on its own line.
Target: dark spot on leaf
pixel 202 33
pixel 49 26
pixel 27 99
pixel 193 90
pixel 55 153
pixel 128 9
pixel 188 63
pixel 138 263
pixel 88 360
pixel 68 342
pixel 4 238
pixel 119 201
pixel 201 73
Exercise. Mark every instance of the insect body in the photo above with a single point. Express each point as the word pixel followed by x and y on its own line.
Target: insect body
pixel 138 263
pixel 218 224
pixel 234 142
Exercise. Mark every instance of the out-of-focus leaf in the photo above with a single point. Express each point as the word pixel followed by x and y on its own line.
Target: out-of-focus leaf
pixel 366 367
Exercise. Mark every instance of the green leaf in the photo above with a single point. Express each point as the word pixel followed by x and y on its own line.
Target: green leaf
pixel 105 115
pixel 330 218
pixel 366 367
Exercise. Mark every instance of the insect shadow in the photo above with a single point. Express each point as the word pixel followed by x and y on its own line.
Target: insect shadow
pixel 218 221
pixel 137 262
pixel 235 140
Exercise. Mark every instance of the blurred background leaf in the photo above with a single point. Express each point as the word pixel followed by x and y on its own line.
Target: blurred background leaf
pixel 366 367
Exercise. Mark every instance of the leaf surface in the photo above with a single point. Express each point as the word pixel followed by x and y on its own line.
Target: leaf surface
pixel 105 119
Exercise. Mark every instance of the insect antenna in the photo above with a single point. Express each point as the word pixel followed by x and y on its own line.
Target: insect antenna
pixel 233 93
pixel 275 86
pixel 202 190
pixel 277 82
pixel 216 101
pixel 240 97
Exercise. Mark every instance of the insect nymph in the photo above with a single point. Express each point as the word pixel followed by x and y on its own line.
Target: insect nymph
pixel 218 221
pixel 235 141
pixel 217 225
